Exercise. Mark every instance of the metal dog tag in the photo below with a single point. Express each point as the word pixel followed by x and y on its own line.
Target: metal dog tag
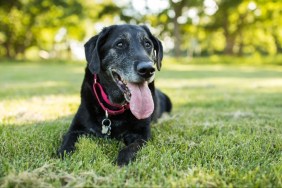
pixel 104 129
pixel 106 126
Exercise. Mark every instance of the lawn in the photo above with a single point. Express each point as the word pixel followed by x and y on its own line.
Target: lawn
pixel 225 129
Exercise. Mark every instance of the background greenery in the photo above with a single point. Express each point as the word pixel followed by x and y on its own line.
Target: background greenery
pixel 52 28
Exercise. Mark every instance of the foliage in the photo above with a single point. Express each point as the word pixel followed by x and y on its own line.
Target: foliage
pixel 247 25
pixel 187 28
pixel 33 22
pixel 26 23
pixel 218 26
pixel 225 129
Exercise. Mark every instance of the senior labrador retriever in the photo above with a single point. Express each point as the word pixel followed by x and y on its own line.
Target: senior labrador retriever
pixel 118 96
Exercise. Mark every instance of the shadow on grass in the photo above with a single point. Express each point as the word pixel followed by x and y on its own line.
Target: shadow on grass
pixel 23 81
pixel 228 73
pixel 46 88
pixel 251 107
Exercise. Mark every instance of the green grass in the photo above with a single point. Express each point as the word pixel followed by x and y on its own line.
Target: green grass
pixel 225 129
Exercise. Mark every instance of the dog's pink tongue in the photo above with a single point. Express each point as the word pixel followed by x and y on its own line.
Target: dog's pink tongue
pixel 141 101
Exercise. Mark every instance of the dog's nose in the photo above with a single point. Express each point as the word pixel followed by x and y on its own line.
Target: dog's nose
pixel 145 69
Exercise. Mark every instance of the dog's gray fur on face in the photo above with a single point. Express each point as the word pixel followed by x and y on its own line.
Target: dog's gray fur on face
pixel 123 61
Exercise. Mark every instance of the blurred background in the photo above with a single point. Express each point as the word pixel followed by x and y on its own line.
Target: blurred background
pixel 58 29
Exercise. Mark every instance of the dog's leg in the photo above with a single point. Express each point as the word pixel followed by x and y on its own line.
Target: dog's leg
pixel 70 138
pixel 134 142
pixel 77 128
pixel 69 141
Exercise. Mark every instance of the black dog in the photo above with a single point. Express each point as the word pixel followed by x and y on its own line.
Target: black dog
pixel 118 96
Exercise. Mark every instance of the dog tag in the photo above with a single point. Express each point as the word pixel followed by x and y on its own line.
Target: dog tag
pixel 105 129
pixel 106 126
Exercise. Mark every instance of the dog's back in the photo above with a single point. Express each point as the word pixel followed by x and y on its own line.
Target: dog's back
pixel 163 104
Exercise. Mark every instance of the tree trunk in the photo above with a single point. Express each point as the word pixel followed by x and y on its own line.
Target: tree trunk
pixel 8 51
pixel 177 8
pixel 177 38
pixel 229 39
pixel 276 41
pixel 241 43
pixel 229 46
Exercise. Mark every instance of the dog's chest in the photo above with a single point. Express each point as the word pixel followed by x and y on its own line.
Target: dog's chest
pixel 117 123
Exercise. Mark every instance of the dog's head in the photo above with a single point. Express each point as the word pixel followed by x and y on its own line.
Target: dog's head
pixel 124 56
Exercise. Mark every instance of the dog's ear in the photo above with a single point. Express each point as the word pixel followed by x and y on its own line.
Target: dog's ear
pixel 158 47
pixel 91 48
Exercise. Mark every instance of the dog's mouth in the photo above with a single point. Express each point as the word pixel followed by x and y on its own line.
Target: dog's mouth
pixel 122 84
pixel 138 95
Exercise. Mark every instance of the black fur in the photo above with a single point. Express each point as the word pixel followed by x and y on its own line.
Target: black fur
pixel 120 48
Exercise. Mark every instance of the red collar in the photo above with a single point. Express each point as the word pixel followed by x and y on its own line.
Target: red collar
pixel 119 108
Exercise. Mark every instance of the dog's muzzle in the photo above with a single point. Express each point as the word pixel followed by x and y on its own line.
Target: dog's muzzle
pixel 145 69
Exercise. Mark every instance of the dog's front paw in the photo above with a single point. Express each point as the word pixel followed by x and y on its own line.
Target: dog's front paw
pixel 125 156
pixel 62 152
pixel 128 153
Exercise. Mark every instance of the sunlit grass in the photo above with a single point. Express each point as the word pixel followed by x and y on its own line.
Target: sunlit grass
pixel 225 129
pixel 36 109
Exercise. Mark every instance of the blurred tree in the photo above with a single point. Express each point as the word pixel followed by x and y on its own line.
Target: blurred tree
pixel 230 27
pixel 248 25
pixel 230 20
pixel 177 9
pixel 23 22
pixel 268 26
pixel 175 18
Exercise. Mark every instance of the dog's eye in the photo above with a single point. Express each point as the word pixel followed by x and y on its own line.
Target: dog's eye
pixel 120 45
pixel 148 44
